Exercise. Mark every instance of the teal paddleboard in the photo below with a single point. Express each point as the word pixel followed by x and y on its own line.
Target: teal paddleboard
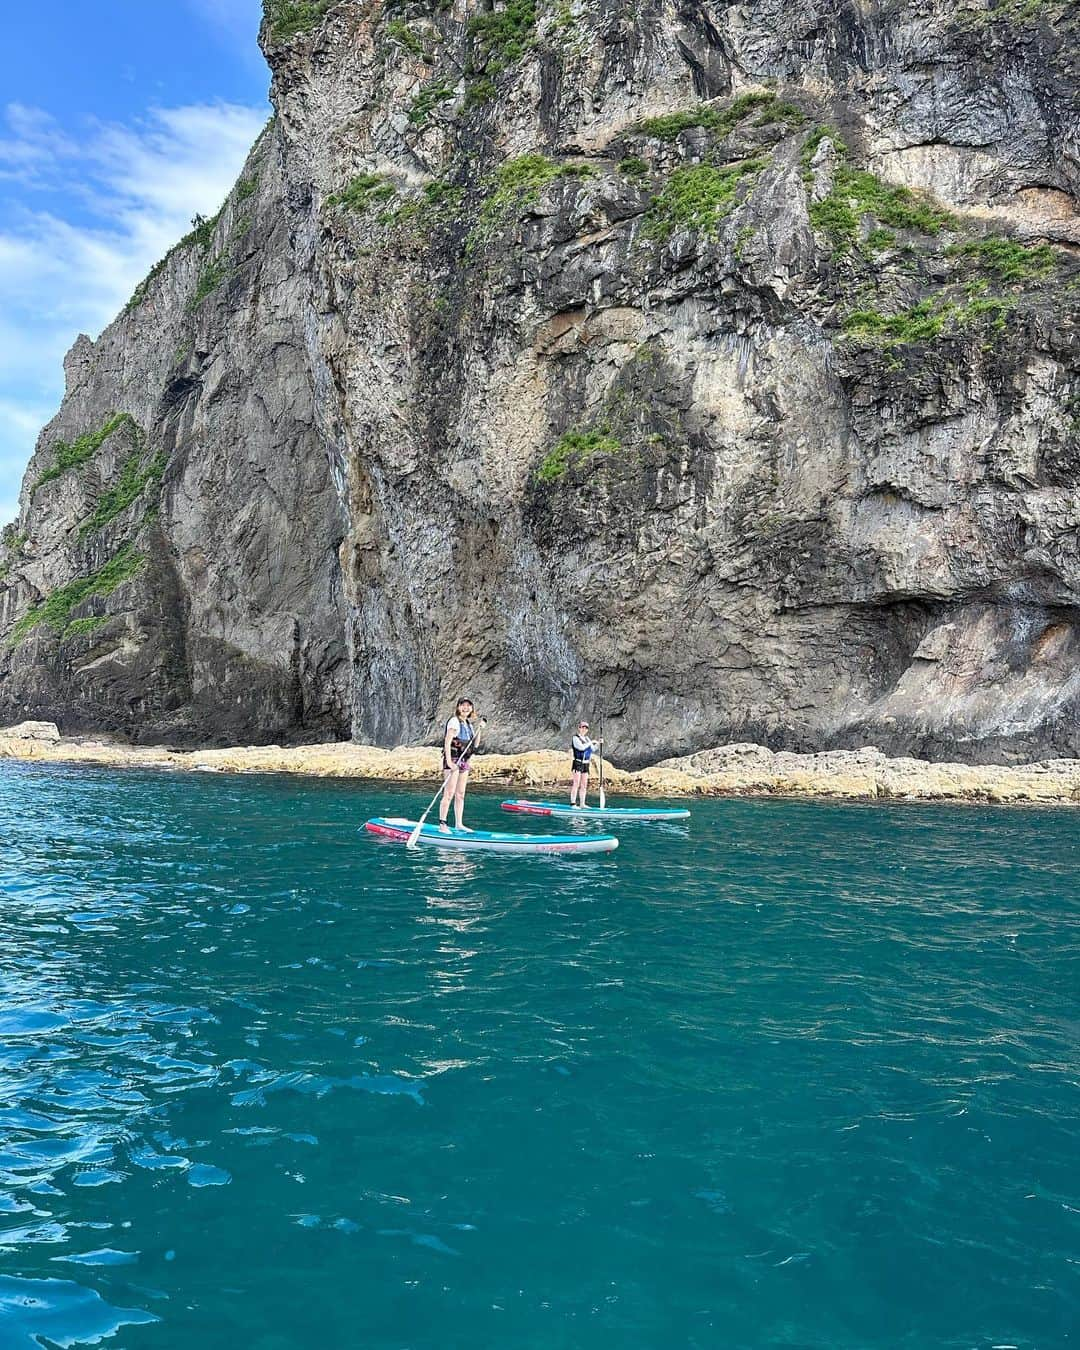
pixel 629 813
pixel 393 827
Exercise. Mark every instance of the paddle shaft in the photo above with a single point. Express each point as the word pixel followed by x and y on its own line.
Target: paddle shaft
pixel 603 796
pixel 465 754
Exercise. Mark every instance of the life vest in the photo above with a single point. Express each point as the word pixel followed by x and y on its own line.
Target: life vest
pixel 582 756
pixel 462 739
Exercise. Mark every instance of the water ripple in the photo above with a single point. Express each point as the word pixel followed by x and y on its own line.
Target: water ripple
pixel 801 1074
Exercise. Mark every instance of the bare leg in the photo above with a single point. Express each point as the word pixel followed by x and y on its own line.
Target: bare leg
pixel 447 796
pixel 584 792
pixel 459 799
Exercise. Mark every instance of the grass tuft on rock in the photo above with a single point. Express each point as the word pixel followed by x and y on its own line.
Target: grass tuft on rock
pixel 12 543
pixel 479 92
pixel 1007 260
pixel 856 194
pixel 518 184
pixel 503 35
pixel 210 278
pixel 698 197
pixel 926 321
pixel 362 192
pixel 135 477
pixel 436 204
pixel 87 625
pixel 634 168
pixel 711 117
pixel 55 609
pixel 427 100
pixel 68 457
pixel 397 30
pixel 287 18
pixel 573 448
pixel 199 236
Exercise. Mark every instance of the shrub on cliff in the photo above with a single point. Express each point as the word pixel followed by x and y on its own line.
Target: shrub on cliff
pixel 289 17
pixel 574 447
pixel 698 197
pixel 68 457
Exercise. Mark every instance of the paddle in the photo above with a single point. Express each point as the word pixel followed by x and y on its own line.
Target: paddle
pixel 603 795
pixel 465 754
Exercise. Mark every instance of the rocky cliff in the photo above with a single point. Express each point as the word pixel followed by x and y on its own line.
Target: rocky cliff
pixel 716 366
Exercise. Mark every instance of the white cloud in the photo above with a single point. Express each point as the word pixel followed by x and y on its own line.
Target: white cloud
pixel 93 214
pixel 33 144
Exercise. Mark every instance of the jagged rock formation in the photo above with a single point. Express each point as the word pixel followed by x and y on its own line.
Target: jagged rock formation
pixel 713 365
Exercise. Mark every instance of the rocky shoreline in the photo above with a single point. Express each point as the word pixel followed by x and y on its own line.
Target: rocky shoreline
pixel 730 770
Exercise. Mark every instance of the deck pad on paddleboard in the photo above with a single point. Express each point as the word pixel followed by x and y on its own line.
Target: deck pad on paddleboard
pixel 628 813
pixel 393 827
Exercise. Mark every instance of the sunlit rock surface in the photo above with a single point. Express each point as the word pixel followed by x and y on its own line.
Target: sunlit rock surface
pixel 731 770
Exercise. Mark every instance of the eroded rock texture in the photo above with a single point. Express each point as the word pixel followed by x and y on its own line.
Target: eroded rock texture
pixel 714 366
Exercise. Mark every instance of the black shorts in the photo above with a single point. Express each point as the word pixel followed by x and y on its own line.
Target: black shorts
pixel 580 766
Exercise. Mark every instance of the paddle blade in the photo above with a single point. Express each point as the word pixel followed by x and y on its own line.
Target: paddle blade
pixel 414 838
pixel 603 797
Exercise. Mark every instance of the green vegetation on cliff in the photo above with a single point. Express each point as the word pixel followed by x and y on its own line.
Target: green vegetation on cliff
pixel 363 191
pixel 1006 259
pixel 289 17
pixel 573 448
pixel 135 476
pixel 55 609
pixel 927 320
pixel 200 236
pixel 71 456
pixel 437 203
pixel 397 30
pixel 722 119
pixel 210 278
pixel 503 35
pixel 517 184
pixel 633 167
pixel 427 100
pixel 12 544
pixel 699 197
pixel 500 37
pixel 856 194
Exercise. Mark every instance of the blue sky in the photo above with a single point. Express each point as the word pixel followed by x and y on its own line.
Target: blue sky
pixel 118 121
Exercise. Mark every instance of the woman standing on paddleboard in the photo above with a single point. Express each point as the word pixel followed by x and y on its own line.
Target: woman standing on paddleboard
pixel 581 747
pixel 458 735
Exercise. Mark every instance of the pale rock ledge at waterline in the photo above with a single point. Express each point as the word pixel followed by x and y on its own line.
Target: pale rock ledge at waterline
pixel 729 770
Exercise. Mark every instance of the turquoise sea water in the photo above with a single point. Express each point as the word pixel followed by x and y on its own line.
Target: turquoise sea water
pixel 797 1075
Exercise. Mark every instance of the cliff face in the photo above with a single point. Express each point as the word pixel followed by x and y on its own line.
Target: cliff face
pixel 714 366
